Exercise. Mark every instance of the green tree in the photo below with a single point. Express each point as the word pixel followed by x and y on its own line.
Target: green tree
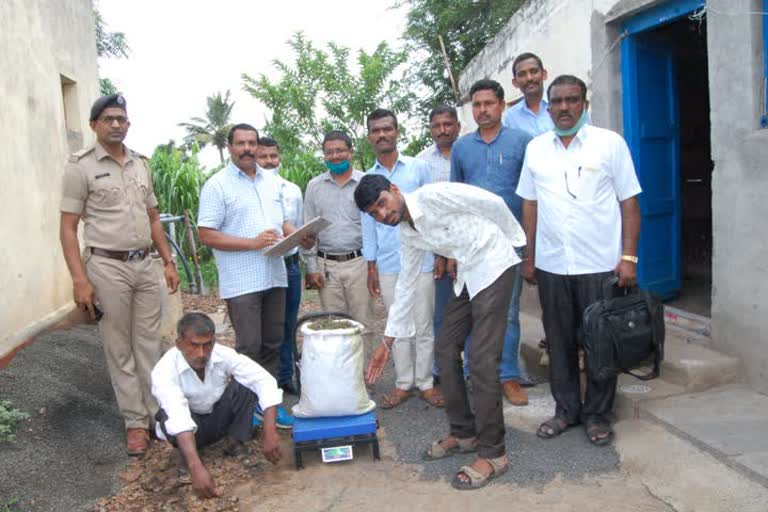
pixel 108 45
pixel 466 26
pixel 322 90
pixel 212 129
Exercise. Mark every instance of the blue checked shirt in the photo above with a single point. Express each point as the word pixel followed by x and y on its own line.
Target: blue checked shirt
pixel 494 166
pixel 234 204
pixel 381 243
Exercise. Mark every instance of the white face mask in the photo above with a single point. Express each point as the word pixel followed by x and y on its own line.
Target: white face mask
pixel 274 171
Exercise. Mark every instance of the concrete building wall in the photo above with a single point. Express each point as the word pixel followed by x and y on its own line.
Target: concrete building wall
pixel 739 185
pixel 48 83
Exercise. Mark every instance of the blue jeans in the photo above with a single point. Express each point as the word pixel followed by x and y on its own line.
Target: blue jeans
pixel 292 303
pixel 509 367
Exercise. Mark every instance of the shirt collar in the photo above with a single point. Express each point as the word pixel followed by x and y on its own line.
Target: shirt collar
pixel 581 135
pixel 327 176
pixel 182 366
pixel 100 153
pixel 238 172
pixel 400 160
pixel 502 128
pixel 542 107
pixel 437 152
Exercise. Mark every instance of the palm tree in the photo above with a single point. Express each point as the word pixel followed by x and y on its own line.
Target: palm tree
pixel 215 127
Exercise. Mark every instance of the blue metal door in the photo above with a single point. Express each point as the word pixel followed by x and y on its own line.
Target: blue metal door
pixel 652 133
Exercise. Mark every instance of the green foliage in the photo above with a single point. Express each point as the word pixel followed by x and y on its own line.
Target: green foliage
pixel 9 417
pixel 214 128
pixel 109 44
pixel 10 505
pixel 107 87
pixel 320 91
pixel 177 178
pixel 466 27
pixel 207 269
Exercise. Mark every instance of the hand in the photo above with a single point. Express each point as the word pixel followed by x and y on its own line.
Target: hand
pixel 171 277
pixel 376 364
pixel 627 273
pixel 83 294
pixel 315 280
pixel 373 283
pixel 202 482
pixel 451 268
pixel 307 242
pixel 266 238
pixel 439 267
pixel 270 445
pixel 528 270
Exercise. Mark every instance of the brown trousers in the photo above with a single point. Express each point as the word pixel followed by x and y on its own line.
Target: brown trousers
pixel 129 294
pixel 485 317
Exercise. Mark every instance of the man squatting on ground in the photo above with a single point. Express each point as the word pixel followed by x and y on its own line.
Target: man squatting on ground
pixel 207 391
pixel 476 228
pixel 582 222
pixel 110 188
pixel 241 215
pixel 413 357
pixel 268 160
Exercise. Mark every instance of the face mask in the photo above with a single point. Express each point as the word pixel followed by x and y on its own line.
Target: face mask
pixel 581 122
pixel 274 171
pixel 337 168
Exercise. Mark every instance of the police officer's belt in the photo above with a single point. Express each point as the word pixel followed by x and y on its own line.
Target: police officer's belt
pixel 134 255
pixel 340 257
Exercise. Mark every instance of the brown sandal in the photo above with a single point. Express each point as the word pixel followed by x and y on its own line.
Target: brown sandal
pixel 395 398
pixel 433 397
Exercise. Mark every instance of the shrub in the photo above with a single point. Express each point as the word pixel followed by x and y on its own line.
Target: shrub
pixel 9 417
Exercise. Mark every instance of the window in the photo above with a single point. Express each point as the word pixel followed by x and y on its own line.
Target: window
pixel 72 113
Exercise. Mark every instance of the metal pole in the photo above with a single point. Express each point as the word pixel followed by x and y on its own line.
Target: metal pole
pixel 193 248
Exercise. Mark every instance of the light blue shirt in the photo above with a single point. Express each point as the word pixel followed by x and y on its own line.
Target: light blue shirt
pixel 235 204
pixel 381 243
pixel 521 117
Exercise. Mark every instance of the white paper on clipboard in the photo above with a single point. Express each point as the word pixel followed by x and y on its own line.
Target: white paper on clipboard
pixel 312 227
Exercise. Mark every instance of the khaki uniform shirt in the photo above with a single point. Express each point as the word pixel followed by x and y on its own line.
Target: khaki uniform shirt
pixel 112 200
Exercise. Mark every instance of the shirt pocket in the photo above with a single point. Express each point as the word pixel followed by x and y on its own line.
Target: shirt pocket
pixel 593 174
pixel 106 193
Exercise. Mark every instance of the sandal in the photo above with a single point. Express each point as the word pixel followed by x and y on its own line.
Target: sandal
pixel 553 427
pixel 395 398
pixel 433 397
pixel 437 451
pixel 499 466
pixel 599 433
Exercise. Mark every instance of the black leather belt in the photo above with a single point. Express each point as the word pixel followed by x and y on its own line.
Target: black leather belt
pixel 133 255
pixel 293 258
pixel 340 257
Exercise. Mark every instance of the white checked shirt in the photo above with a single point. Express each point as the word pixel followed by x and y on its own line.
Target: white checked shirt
pixel 458 221
pixel 578 190
pixel 293 204
pixel 438 163
pixel 179 391
pixel 235 204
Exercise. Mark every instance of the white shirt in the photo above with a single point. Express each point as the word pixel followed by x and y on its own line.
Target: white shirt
pixel 578 190
pixel 458 221
pixel 179 391
pixel 293 203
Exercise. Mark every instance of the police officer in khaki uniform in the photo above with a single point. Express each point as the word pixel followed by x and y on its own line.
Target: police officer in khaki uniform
pixel 110 188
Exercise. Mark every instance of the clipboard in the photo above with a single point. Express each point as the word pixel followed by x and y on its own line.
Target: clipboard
pixel 312 227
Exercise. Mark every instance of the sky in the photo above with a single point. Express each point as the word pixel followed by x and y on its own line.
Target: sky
pixel 184 51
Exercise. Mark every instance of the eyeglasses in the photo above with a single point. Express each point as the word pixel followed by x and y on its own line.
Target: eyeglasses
pixel 567 188
pixel 108 120
pixel 335 152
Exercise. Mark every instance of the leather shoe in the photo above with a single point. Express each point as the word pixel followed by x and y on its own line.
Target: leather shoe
pixel 137 441
pixel 514 393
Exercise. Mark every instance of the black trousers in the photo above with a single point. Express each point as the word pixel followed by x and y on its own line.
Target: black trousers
pixel 231 416
pixel 259 321
pixel 563 301
pixel 485 316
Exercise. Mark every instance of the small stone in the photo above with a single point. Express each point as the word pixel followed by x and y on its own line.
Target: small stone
pixel 131 475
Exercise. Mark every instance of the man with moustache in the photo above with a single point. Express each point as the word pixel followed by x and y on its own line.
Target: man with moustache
pixel 110 187
pixel 529 115
pixel 414 357
pixel 241 215
pixel 582 221
pixel 206 392
pixel 335 264
pixel 476 228
pixel 268 160
pixel 491 158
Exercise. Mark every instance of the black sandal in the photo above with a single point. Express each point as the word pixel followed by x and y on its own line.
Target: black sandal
pixel 553 427
pixel 599 433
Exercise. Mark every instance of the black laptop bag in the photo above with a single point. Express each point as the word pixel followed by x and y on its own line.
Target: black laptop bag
pixel 622 332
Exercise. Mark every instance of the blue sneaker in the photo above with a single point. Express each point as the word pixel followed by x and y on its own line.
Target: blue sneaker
pixel 284 420
pixel 258 417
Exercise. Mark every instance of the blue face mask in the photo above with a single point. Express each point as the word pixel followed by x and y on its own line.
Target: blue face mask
pixel 337 168
pixel 573 131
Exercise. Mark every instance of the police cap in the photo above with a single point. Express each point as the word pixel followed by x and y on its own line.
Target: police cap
pixel 113 100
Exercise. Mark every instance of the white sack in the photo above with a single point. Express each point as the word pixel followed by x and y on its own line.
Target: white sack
pixel 332 381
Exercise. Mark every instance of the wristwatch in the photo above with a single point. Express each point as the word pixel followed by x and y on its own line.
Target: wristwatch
pixel 627 257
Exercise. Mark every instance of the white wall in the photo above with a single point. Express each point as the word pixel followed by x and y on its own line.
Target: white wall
pixel 39 41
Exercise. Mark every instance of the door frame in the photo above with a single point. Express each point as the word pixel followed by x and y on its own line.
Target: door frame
pixel 649 19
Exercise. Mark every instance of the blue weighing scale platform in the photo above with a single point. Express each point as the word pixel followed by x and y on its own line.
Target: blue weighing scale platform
pixel 334 436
